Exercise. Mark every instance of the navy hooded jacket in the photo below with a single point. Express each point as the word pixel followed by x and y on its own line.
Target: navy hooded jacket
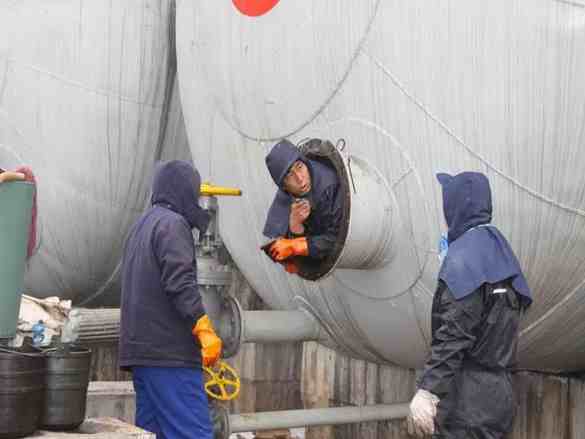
pixel 475 320
pixel 478 253
pixel 322 226
pixel 160 300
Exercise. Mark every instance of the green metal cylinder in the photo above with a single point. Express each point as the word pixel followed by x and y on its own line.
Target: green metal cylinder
pixel 15 217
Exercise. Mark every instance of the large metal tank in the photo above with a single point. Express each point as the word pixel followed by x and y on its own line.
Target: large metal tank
pixel 414 87
pixel 85 99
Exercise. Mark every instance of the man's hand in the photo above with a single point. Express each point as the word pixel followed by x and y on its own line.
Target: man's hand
pixel 290 266
pixel 283 249
pixel 299 212
pixel 211 344
pixel 423 410
pixel 11 176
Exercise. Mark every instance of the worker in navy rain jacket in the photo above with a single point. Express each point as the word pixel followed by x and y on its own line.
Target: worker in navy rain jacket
pixel 305 214
pixel 465 391
pixel 165 334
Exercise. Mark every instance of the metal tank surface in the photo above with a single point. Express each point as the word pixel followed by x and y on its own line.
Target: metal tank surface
pixel 85 99
pixel 414 87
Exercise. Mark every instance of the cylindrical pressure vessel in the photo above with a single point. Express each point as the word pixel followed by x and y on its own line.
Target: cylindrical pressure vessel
pixel 85 92
pixel 414 87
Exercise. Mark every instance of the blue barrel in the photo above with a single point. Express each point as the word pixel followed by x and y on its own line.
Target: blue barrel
pixel 16 198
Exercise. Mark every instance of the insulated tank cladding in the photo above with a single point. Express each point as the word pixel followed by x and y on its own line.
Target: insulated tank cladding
pixel 415 87
pixel 84 90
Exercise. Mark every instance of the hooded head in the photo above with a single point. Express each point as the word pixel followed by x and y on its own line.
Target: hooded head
pixel 177 186
pixel 467 202
pixel 280 159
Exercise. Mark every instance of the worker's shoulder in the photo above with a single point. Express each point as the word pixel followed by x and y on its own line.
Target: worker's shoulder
pixel 169 220
pixel 322 165
pixel 325 173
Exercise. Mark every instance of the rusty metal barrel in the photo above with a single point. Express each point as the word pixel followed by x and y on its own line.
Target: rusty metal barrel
pixel 66 394
pixel 22 387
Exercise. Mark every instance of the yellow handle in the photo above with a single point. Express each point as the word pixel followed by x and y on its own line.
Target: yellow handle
pixel 222 377
pixel 207 189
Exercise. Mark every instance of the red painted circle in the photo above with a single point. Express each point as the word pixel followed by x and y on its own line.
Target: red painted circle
pixel 254 8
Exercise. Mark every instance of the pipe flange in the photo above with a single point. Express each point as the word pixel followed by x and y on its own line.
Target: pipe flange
pixel 231 326
pixel 217 278
pixel 211 272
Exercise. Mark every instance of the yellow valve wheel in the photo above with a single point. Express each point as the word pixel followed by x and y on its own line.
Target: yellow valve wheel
pixel 223 382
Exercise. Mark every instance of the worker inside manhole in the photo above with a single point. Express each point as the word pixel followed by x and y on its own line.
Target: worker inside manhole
pixel 307 222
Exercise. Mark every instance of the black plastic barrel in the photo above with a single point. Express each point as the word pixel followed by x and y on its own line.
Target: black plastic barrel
pixel 66 392
pixel 22 384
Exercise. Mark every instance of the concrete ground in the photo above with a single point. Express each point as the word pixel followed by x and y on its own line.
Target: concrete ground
pixel 99 428
pixel 116 399
pixel 295 433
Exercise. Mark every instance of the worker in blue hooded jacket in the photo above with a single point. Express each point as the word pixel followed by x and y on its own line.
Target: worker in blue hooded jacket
pixel 305 215
pixel 465 391
pixel 165 333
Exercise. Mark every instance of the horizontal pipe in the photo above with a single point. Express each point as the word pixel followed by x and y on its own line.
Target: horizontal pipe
pixel 94 325
pixel 115 329
pixel 279 326
pixel 97 339
pixel 314 417
pixel 258 326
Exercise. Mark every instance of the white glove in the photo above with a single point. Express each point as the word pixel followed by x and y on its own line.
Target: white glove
pixel 423 409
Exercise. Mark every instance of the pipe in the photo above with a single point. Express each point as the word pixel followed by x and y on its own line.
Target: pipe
pixel 234 325
pixel 314 417
pixel 279 326
pixel 89 325
pixel 92 325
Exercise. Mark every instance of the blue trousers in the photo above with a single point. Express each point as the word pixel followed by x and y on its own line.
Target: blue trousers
pixel 171 402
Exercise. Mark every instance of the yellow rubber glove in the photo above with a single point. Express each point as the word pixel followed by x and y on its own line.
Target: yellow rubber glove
pixel 285 248
pixel 211 344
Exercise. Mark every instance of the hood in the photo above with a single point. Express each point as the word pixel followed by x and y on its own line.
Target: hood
pixel 483 255
pixel 322 178
pixel 467 202
pixel 280 159
pixel 177 186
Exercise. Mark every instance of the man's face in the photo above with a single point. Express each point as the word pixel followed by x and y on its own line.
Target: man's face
pixel 298 179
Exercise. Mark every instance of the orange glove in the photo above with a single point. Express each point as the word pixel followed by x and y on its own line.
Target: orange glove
pixel 211 344
pixel 291 267
pixel 285 248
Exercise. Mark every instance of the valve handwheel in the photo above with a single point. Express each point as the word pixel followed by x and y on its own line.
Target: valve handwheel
pixel 222 382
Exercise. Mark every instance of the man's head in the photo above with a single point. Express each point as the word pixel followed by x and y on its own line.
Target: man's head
pixel 288 169
pixel 177 186
pixel 297 181
pixel 467 201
